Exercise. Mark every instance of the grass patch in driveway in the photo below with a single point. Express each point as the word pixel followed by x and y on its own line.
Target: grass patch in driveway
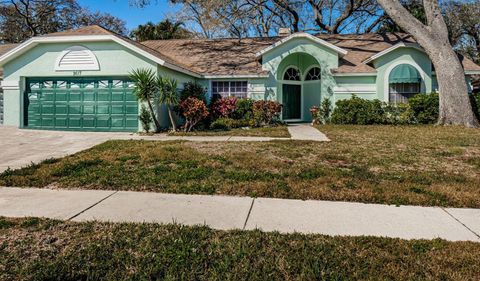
pixel 424 165
pixel 38 249
pixel 269 132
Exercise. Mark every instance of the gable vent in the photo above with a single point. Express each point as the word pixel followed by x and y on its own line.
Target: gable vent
pixel 77 58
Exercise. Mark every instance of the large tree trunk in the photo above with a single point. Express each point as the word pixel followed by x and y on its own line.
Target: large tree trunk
pixel 455 106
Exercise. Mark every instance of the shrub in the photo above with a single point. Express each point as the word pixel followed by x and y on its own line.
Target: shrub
pixel 322 114
pixel 244 109
pixel 266 112
pixel 222 124
pixel 425 107
pixel 359 111
pixel 400 114
pixel 145 118
pixel 192 89
pixel 224 107
pixel 194 111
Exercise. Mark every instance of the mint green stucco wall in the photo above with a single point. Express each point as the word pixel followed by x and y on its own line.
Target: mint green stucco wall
pixel 411 56
pixel 114 60
pixel 302 53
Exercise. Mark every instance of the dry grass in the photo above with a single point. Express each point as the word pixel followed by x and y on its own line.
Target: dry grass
pixel 272 132
pixel 424 165
pixel 37 249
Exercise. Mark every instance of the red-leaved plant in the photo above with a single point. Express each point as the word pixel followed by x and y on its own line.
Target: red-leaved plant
pixel 224 107
pixel 194 111
pixel 266 112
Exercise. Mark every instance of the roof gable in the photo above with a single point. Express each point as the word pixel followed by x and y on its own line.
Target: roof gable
pixel 294 36
pixel 393 48
pixel 94 34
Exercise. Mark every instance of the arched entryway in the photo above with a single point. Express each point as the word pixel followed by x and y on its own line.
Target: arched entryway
pixel 300 84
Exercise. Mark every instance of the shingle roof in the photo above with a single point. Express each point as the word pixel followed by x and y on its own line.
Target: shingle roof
pixel 4 48
pixel 238 57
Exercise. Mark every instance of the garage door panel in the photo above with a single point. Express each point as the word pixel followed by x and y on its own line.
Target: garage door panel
pixel 74 122
pixel 103 122
pixel 88 122
pixel 48 121
pixel 61 97
pixel 118 96
pixel 103 109
pixel 89 109
pixel 88 96
pixel 118 122
pixel 81 104
pixel 75 96
pixel 61 121
pixel 61 109
pixel 47 108
pixel 103 97
pixel 131 109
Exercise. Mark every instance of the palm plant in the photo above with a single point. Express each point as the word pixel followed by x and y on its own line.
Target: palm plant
pixel 146 89
pixel 168 96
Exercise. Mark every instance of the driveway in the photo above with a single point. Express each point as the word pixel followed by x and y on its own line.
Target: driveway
pixel 19 148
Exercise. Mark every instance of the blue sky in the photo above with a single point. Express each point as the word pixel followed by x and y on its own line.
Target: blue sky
pixel 132 15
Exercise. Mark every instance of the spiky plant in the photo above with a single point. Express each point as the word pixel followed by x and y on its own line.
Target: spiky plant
pixel 168 96
pixel 146 89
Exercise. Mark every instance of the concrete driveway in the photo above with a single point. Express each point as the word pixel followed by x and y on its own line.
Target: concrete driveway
pixel 19 148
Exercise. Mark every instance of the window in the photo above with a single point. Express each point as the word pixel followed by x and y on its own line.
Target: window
pixel 404 83
pixel 292 74
pixel 313 74
pixel 401 92
pixel 224 89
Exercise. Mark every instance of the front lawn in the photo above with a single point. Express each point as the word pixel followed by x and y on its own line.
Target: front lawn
pixel 416 165
pixel 37 249
pixel 271 132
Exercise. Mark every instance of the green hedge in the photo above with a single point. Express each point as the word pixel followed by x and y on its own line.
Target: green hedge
pixel 420 109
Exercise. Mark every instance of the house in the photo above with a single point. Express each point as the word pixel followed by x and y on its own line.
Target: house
pixel 78 79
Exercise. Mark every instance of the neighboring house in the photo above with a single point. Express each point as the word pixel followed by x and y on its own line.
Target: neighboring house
pixel 78 80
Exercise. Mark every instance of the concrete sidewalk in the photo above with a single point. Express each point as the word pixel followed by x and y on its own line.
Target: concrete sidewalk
pixel 221 212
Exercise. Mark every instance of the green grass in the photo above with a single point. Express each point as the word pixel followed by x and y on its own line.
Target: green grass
pixel 38 249
pixel 424 165
pixel 272 132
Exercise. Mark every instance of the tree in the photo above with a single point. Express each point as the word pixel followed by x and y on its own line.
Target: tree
pixel 145 88
pixel 22 19
pixel 164 30
pixel 455 106
pixel 242 18
pixel 463 23
pixel 168 96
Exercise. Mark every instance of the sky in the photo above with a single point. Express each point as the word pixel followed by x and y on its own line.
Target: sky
pixel 132 15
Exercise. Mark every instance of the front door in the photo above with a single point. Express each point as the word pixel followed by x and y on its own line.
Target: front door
pixel 292 102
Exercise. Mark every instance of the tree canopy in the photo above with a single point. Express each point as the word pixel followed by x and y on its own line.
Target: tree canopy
pixel 22 19
pixel 163 30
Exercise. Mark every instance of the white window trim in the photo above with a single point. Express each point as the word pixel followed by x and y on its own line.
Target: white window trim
pixel 308 70
pixel 386 78
pixel 229 87
pixel 291 81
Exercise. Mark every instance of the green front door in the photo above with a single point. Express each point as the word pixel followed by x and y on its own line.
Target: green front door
pixel 81 104
pixel 292 102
